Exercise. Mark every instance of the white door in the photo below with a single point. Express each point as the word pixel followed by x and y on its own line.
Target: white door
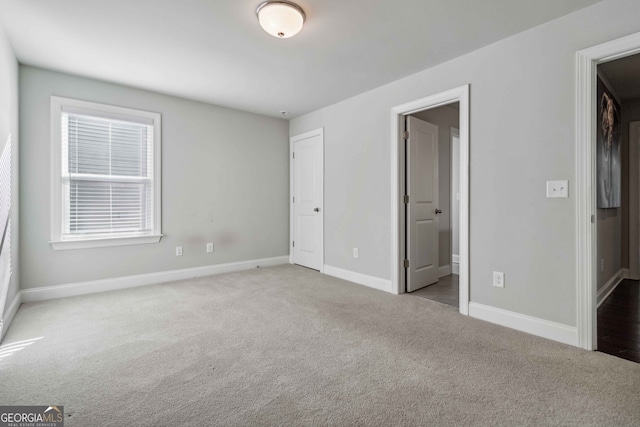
pixel 307 202
pixel 422 209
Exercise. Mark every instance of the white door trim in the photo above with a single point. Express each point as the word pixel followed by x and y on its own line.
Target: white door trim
pixel 292 141
pixel 586 63
pixel 461 95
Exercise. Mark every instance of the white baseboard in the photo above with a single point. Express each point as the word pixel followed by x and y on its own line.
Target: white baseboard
pixel 359 278
pixel 95 286
pixel 10 314
pixel 532 325
pixel 455 264
pixel 444 270
pixel 628 275
pixel 611 285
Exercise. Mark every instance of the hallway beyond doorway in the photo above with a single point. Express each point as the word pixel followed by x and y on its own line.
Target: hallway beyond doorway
pixel 445 291
pixel 619 322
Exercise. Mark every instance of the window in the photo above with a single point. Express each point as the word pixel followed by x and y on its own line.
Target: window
pixel 106 175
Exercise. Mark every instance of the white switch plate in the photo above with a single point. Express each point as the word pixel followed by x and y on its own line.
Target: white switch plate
pixel 209 248
pixel 178 250
pixel 355 253
pixel 557 189
pixel 498 279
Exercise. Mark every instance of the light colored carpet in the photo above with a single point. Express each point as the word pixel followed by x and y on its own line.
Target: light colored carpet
pixel 289 346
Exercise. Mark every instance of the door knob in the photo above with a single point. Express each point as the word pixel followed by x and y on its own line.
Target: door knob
pixel 316 210
pixel 438 211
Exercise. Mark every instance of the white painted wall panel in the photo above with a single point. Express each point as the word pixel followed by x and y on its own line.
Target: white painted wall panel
pixel 225 177
pixel 522 134
pixel 9 261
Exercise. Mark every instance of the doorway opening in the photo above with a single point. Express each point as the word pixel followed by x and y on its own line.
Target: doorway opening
pixel 588 129
pixel 431 170
pixel 416 230
pixel 617 131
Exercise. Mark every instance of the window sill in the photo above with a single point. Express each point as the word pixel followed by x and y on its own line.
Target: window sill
pixel 104 242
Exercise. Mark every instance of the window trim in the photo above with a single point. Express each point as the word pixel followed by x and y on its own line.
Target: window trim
pixel 82 242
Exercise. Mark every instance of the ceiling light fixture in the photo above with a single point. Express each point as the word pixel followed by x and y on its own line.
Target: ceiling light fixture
pixel 281 18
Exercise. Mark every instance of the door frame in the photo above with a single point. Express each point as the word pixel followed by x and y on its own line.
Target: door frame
pixel 634 231
pixel 461 95
pixel 587 61
pixel 292 140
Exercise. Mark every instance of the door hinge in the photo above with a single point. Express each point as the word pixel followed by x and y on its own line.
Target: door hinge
pixel 294 155
pixel 293 243
pixel 405 134
pixel 406 199
pixel 406 263
pixel 294 199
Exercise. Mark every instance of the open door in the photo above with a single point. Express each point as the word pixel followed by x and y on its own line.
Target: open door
pixel 422 207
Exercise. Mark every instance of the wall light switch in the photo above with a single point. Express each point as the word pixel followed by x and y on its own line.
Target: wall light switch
pixel 557 189
pixel 355 253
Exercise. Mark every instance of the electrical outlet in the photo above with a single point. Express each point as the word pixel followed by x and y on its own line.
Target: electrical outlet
pixel 355 253
pixel 557 189
pixel 209 248
pixel 178 250
pixel 498 279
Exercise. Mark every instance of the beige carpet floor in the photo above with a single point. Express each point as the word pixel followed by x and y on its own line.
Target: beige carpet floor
pixel 289 346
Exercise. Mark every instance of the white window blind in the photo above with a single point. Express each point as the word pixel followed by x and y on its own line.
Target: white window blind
pixel 105 187
pixel 107 175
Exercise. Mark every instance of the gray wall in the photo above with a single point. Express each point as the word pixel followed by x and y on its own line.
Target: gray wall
pixel 618 231
pixel 610 251
pixel 445 118
pixel 455 197
pixel 522 134
pixel 9 126
pixel 631 216
pixel 225 179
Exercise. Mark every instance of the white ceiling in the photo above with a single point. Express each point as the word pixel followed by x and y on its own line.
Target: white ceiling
pixel 215 51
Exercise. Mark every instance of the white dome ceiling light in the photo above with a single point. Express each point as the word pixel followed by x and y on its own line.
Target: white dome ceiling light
pixel 281 19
